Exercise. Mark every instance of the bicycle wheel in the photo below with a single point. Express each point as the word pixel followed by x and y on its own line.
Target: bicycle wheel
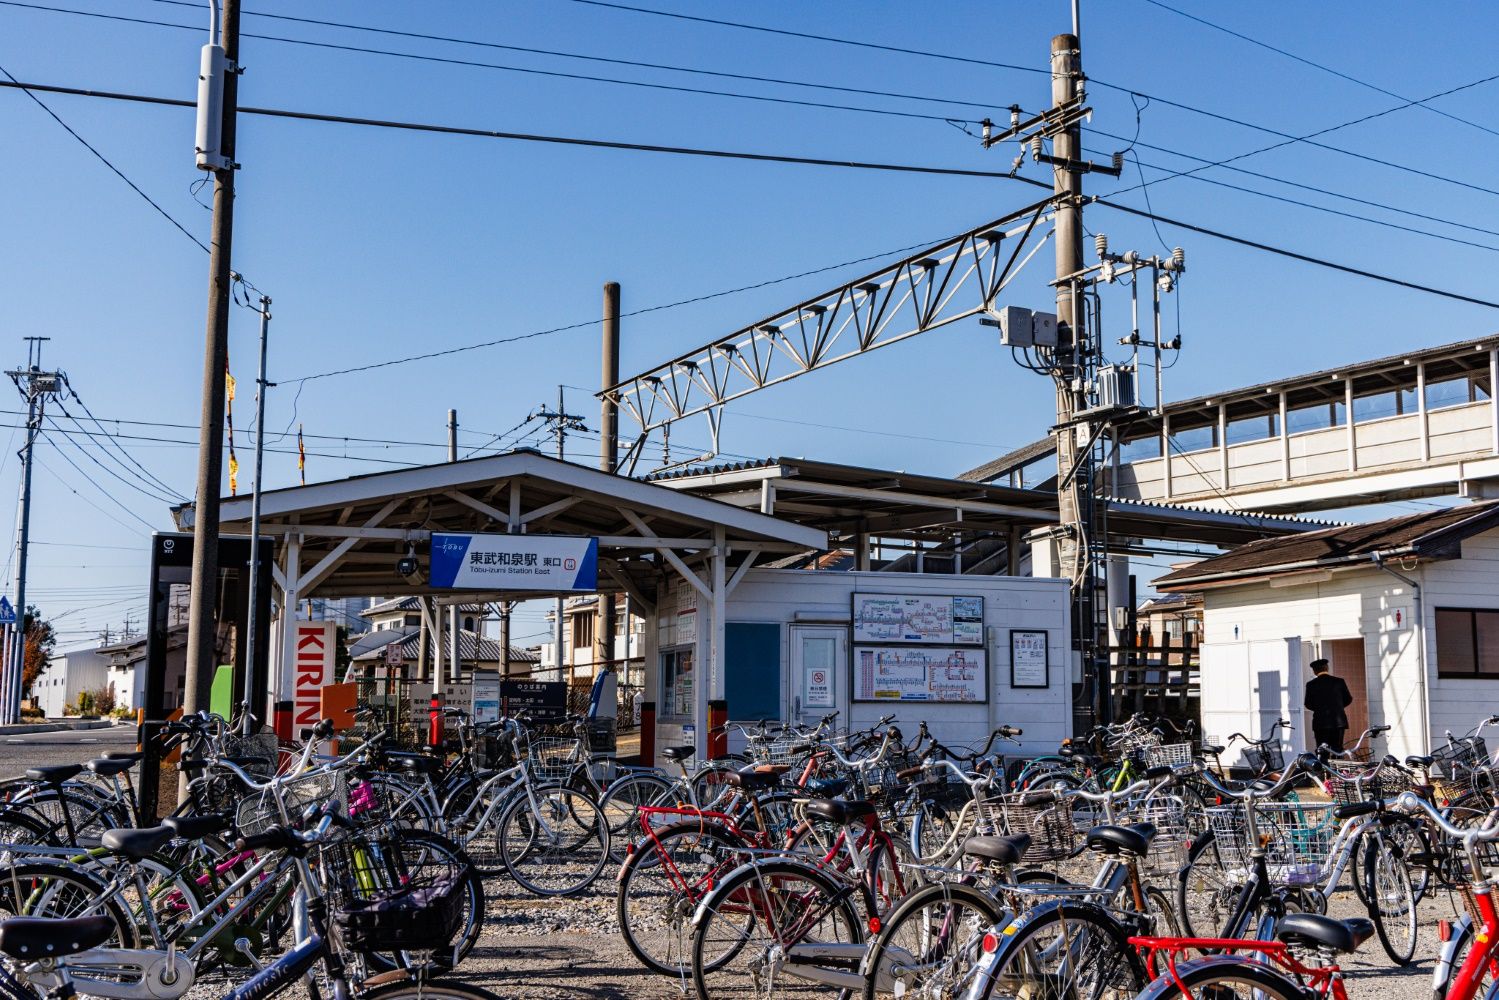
pixel 1246 979
pixel 418 857
pixel 710 785
pixel 17 827
pixel 622 802
pixel 1063 949
pixel 930 942
pixel 886 878
pixel 46 889
pixel 660 885
pixel 1392 901
pixel 777 929
pixel 425 989
pixel 558 848
pixel 1204 892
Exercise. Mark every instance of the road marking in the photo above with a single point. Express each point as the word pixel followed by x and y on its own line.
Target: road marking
pixel 15 741
pixel 88 741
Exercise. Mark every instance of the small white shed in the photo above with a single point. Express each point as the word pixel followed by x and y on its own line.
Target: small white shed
pixel 68 674
pixel 1405 610
pixel 799 644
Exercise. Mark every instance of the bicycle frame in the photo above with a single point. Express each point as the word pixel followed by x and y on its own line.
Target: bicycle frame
pixel 1324 980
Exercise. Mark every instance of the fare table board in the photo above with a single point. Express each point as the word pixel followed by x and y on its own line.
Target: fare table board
pixel 919 648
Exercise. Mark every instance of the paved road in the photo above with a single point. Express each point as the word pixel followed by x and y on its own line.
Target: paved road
pixel 17 753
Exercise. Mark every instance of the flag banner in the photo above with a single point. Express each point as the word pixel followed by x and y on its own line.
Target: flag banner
pixel 515 562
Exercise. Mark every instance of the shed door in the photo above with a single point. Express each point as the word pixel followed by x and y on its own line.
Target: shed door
pixel 1345 659
pixel 819 673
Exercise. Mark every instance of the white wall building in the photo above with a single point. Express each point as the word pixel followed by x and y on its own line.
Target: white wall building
pixel 1406 611
pixel 70 673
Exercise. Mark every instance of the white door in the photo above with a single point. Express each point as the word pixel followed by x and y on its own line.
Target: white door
pixel 818 672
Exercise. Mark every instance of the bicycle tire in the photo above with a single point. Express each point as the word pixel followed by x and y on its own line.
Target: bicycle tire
pixel 58 889
pixel 1058 938
pixel 17 827
pixel 1392 901
pixel 621 804
pixel 1213 977
pixel 1204 894
pixel 544 850
pixel 422 988
pixel 822 912
pixel 657 897
pixel 934 964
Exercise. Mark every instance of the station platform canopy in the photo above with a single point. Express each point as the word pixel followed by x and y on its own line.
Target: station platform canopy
pixel 346 537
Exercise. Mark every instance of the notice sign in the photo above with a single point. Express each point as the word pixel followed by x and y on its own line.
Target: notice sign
pixel 905 673
pixel 819 691
pixel 1028 658
pixel 515 562
pixel 314 657
pixel 939 619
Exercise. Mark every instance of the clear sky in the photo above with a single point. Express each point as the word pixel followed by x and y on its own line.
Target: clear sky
pixel 381 244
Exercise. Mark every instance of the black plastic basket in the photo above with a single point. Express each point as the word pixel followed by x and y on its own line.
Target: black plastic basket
pixel 1266 759
pixel 423 916
pixel 1457 760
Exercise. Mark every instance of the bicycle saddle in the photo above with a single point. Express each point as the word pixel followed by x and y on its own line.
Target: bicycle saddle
pixel 56 774
pixel 134 756
pixel 408 760
pixel 30 938
pixel 197 827
pixel 1133 839
pixel 1315 929
pixel 752 778
pixel 1213 749
pixel 136 844
pixel 109 768
pixel 1004 850
pixel 679 753
pixel 826 788
pixel 840 811
pixel 1419 760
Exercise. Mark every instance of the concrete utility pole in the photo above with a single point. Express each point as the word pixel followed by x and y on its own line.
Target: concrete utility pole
pixel 215 153
pixel 36 385
pixel 560 422
pixel 261 385
pixel 455 663
pixel 609 449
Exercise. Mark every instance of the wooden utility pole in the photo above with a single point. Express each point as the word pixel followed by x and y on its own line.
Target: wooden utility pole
pixel 201 627
pixel 609 454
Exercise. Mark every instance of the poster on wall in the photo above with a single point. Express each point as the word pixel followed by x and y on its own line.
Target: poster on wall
pixel 1028 654
pixel 906 673
pixel 937 619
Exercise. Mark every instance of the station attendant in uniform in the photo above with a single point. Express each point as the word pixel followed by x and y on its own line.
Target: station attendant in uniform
pixel 1327 697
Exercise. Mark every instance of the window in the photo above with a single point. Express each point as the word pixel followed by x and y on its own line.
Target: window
pixel 1140 449
pixel 1467 642
pixel 676 684
pixel 1194 438
pixel 582 631
pixel 1246 429
pixel 1315 417
pixel 1390 403
pixel 1455 392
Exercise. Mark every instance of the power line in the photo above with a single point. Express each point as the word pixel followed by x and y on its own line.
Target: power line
pixel 110 496
pixel 149 495
pixel 1316 65
pixel 125 454
pixel 1292 254
pixel 66 485
pixel 152 489
pixel 531 71
pixel 13 82
pixel 899 50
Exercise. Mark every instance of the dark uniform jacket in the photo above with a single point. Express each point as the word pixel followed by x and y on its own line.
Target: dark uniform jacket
pixel 1326 697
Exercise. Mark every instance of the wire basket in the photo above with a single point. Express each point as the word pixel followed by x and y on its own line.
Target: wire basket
pixel 288 798
pixel 386 895
pixel 1049 825
pixel 494 751
pixel 1266 759
pixel 788 750
pixel 258 754
pixel 1459 758
pixel 1168 851
pixel 1298 839
pixel 1169 755
pixel 554 758
pixel 1364 784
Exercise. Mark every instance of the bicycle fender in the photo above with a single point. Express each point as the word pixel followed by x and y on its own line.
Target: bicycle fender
pixel 712 897
pixel 1449 958
pixel 1164 987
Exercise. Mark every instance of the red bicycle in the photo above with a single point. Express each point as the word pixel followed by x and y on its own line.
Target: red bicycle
pixel 1281 969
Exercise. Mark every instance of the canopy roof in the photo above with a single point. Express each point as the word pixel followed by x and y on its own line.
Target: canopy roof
pixel 351 532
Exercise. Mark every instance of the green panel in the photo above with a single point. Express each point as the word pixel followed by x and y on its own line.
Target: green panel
pixel 752 669
pixel 221 695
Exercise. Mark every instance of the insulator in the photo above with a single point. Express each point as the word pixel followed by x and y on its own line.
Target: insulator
pixel 1014 116
pixel 1179 258
pixel 1036 147
pixel 1101 244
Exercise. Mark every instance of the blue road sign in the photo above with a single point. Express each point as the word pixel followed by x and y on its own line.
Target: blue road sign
pixel 7 613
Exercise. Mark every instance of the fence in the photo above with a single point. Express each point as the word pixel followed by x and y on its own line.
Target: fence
pixel 1159 677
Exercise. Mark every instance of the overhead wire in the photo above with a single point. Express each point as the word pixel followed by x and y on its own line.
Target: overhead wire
pixel 126 461
pixel 69 487
pixel 68 436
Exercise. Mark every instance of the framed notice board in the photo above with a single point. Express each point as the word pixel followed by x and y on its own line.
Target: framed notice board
pixel 1028 658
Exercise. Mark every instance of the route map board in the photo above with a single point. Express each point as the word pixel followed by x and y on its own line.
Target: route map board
pixel 934 619
pixel 908 673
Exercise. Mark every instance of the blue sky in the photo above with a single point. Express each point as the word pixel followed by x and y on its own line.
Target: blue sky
pixel 378 244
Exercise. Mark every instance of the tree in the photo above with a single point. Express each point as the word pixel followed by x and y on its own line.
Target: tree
pixel 40 641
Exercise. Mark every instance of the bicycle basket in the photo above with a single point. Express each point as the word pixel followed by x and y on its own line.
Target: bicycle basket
pixel 494 752
pixel 1266 759
pixel 1364 784
pixel 258 754
pixel 782 750
pixel 1298 838
pixel 422 915
pixel 294 794
pixel 1457 760
pixel 1169 755
pixel 1050 827
pixel 554 758
pixel 1168 851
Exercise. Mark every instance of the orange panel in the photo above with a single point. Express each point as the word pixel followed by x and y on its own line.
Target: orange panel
pixel 338 701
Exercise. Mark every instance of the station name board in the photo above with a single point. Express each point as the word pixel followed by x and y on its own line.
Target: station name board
pixel 515 562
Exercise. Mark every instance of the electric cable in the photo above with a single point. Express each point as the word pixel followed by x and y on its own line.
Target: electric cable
pixel 159 498
pixel 68 486
pixel 130 463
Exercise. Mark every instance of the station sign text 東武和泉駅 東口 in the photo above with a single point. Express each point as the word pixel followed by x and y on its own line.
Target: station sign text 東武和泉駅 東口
pixel 515 562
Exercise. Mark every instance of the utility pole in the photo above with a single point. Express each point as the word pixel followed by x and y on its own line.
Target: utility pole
pixel 609 450
pixel 455 665
pixel 218 100
pixel 559 422
pixel 261 385
pixel 36 385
